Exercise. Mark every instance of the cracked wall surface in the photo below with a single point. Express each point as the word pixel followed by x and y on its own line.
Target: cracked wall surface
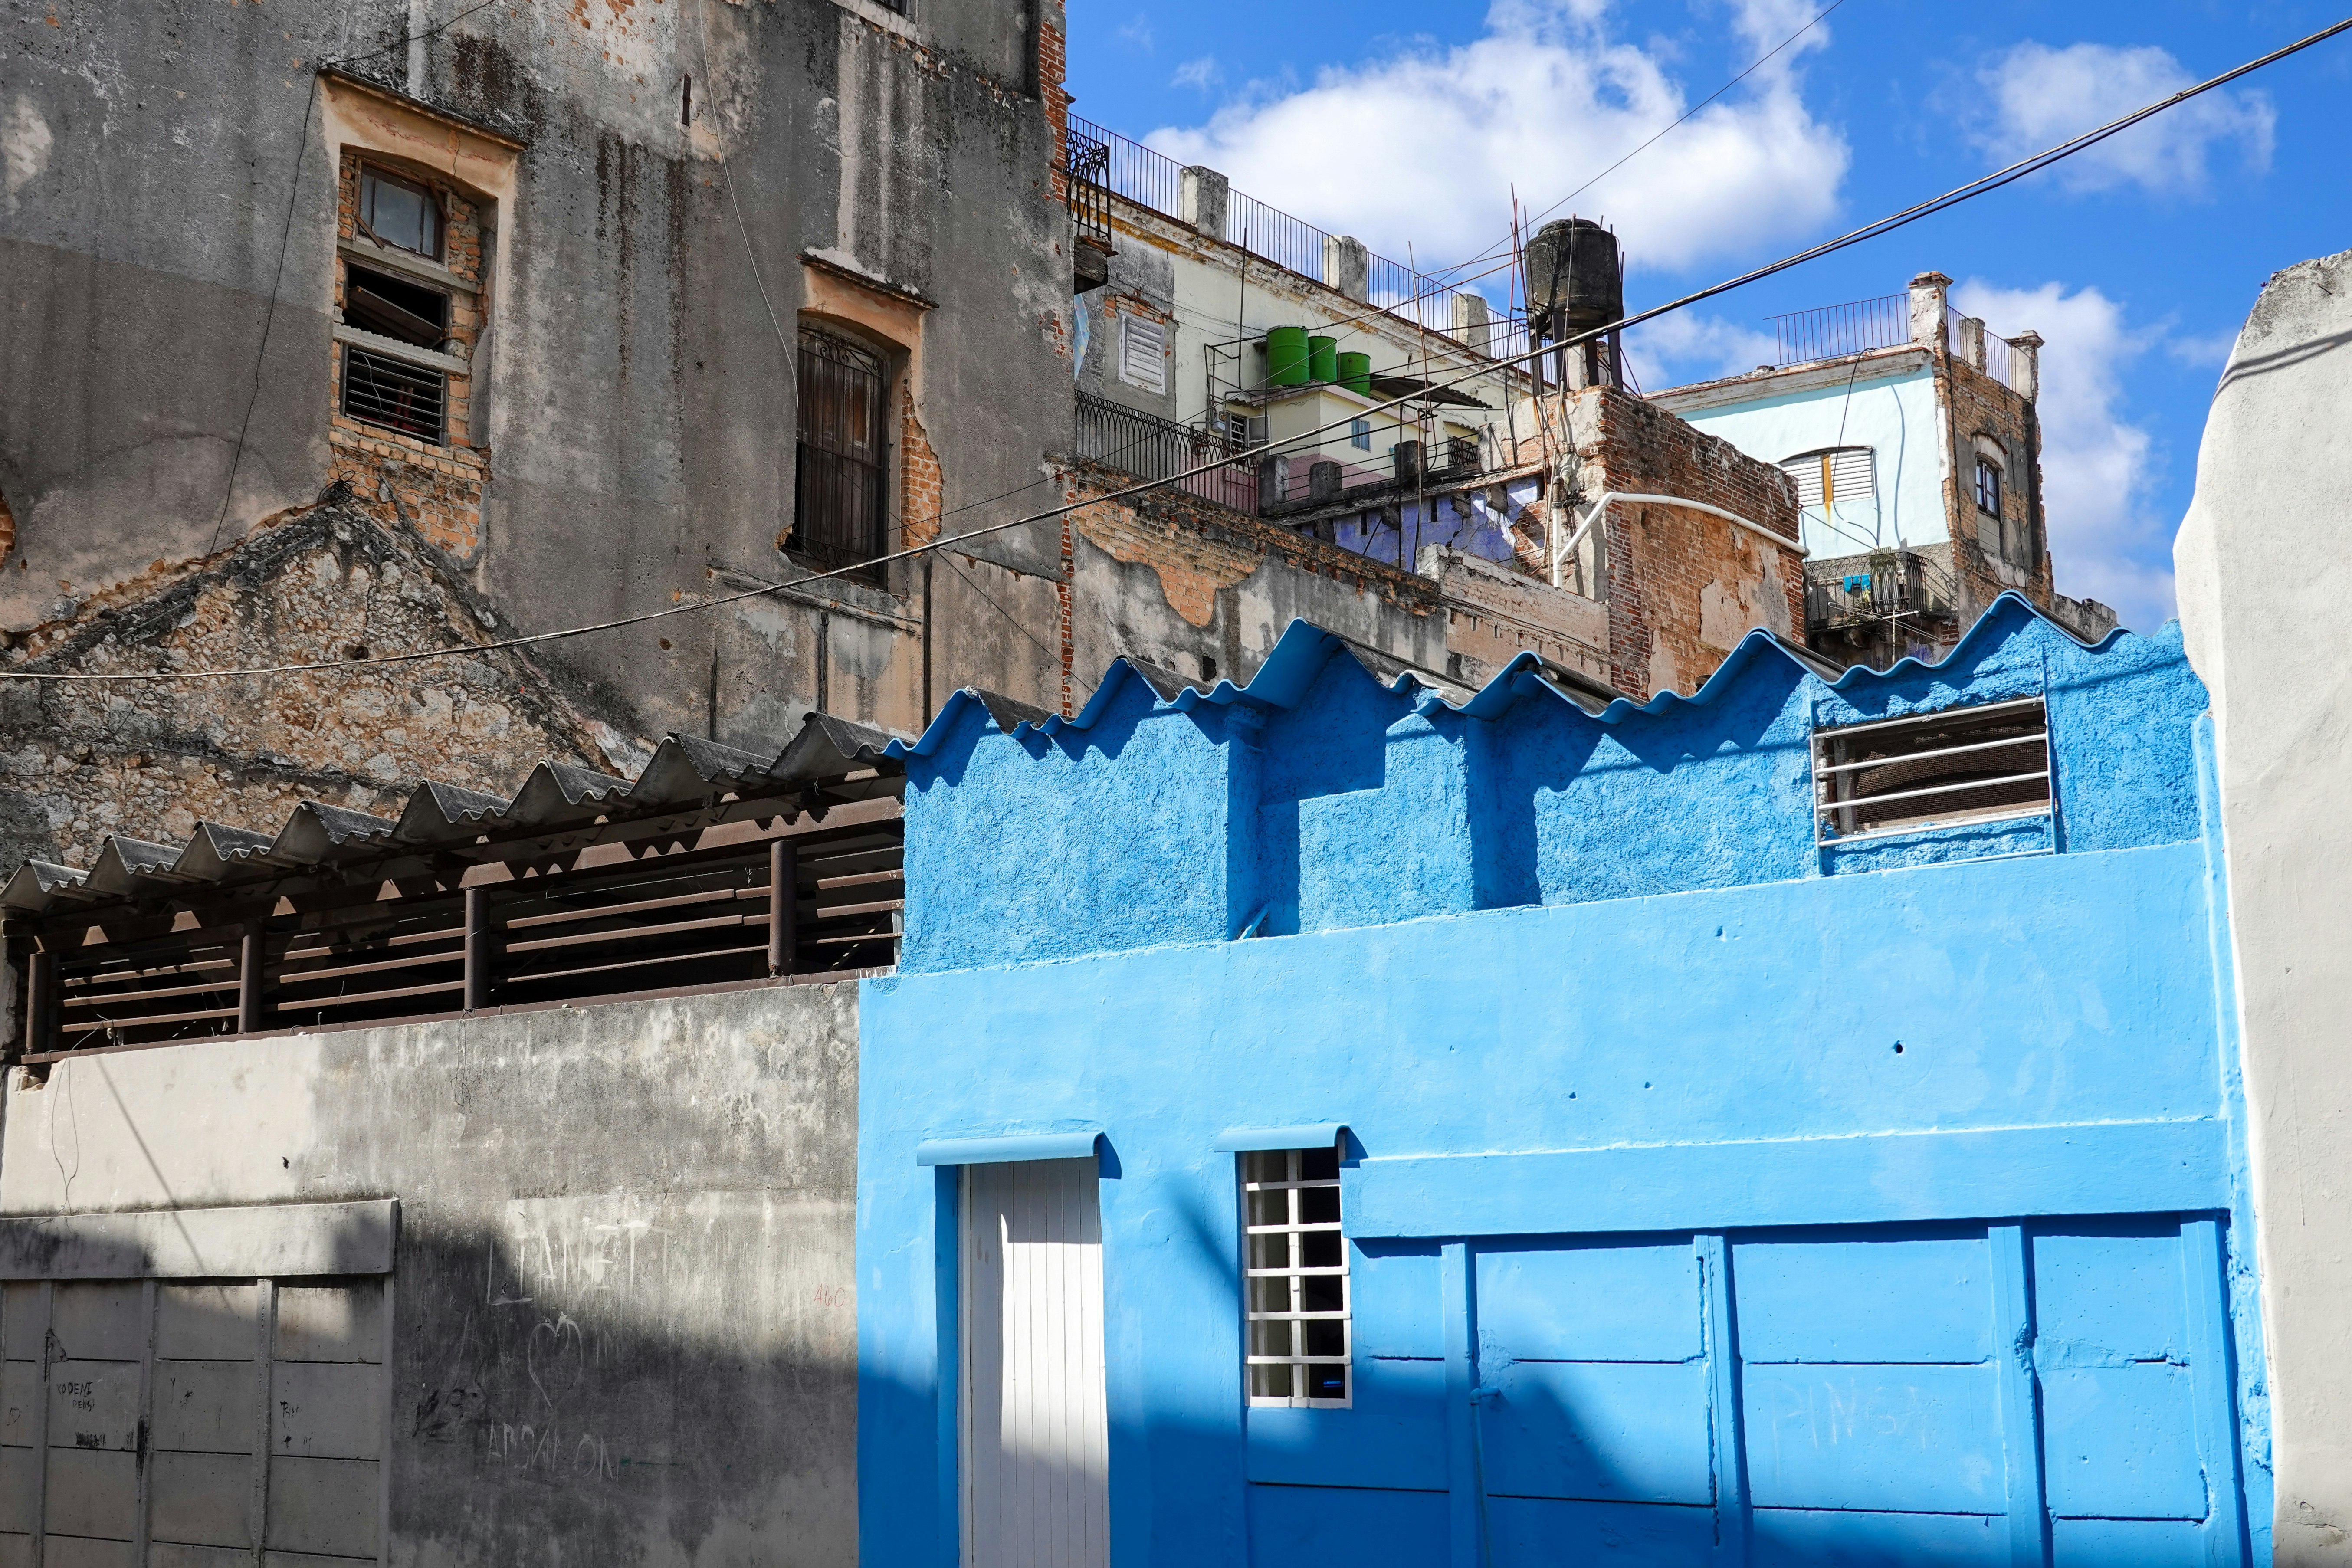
pixel 325 586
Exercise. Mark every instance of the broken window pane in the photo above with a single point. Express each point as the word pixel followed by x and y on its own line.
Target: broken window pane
pixel 393 210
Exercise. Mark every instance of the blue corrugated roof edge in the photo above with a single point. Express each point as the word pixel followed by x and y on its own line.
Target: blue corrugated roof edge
pixel 1304 648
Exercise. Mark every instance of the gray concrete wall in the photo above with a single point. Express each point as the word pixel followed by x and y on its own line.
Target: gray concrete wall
pixel 2264 571
pixel 629 1223
pixel 640 406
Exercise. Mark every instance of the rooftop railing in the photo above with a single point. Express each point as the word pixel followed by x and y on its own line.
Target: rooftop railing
pixel 1152 179
pixel 1859 326
pixel 1831 331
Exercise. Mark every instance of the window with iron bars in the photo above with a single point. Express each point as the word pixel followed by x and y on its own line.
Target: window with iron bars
pixel 1986 763
pixel 380 389
pixel 1295 1279
pixel 840 470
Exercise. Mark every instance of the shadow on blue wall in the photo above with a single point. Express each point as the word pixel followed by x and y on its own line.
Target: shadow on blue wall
pixel 1328 795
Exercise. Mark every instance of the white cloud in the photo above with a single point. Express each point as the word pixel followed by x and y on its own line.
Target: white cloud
pixel 1136 33
pixel 1421 145
pixel 1685 346
pixel 2209 351
pixel 2098 466
pixel 2037 97
pixel 1203 73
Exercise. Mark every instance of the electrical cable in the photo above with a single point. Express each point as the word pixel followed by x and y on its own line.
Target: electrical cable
pixel 284 239
pixel 1532 218
pixel 1888 224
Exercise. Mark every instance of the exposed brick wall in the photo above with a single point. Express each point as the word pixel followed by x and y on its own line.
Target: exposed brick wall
pixel 1683 587
pixel 325 586
pixel 1981 405
pixel 436 489
pixel 1053 72
pixel 920 491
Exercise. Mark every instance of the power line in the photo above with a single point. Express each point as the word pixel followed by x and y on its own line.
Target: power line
pixel 1888 224
pixel 1502 251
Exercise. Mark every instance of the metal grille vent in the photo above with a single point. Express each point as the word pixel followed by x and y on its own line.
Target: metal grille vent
pixel 381 390
pixel 1990 762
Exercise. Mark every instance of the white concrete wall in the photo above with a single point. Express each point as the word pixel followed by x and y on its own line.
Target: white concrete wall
pixel 625 1291
pixel 2265 569
pixel 1895 415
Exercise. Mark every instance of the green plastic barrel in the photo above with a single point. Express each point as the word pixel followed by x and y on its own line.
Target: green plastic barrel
pixel 1322 359
pixel 1285 356
pixel 1355 373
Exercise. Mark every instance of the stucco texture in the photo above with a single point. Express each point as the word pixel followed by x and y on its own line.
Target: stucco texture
pixel 623 1293
pixel 1582 987
pixel 2262 558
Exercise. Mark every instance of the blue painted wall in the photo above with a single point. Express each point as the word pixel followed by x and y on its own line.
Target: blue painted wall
pixel 1658 1240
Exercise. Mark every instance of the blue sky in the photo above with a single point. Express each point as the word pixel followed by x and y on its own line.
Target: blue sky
pixel 1409 124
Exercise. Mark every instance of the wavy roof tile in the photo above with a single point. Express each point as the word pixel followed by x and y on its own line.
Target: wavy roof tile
pixel 684 772
pixel 1304 648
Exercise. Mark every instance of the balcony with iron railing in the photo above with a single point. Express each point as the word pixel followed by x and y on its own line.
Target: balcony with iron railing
pixel 1151 447
pixel 1863 589
pixel 1259 483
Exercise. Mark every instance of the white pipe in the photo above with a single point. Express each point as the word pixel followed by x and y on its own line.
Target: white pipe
pixel 1605 497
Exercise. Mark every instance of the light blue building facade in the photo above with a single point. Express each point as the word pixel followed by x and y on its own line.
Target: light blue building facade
pixel 1514 1133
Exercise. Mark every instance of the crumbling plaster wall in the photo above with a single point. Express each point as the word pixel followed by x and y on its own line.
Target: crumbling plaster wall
pixel 2262 558
pixel 640 406
pixel 1683 587
pixel 625 1291
pixel 329 585
pixel 1174 579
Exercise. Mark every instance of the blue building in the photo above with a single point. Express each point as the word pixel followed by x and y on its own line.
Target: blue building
pixel 1314 1121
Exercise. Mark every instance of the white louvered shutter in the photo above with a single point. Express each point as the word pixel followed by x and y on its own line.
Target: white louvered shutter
pixel 1143 353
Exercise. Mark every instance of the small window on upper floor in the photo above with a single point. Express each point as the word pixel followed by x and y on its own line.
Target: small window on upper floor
pixel 1143 353
pixel 393 210
pixel 1988 486
pixel 1360 435
pixel 1981 764
pixel 841 481
pixel 1839 474
pixel 1295 1279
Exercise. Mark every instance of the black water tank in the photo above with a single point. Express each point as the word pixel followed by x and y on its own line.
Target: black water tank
pixel 1573 281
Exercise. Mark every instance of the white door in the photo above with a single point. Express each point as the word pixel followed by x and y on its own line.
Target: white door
pixel 1036 1471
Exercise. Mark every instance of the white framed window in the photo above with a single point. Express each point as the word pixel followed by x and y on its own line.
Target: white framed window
pixel 1986 763
pixel 1360 435
pixel 1143 353
pixel 1297 1335
pixel 1837 474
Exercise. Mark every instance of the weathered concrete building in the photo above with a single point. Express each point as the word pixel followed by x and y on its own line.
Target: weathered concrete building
pixel 1912 436
pixel 528 306
pixel 619 307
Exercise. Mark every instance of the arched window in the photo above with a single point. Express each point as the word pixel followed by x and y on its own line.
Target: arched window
pixel 841 474
pixel 1833 475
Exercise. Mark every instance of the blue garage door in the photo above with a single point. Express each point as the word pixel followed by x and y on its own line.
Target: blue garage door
pixel 2057 1391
